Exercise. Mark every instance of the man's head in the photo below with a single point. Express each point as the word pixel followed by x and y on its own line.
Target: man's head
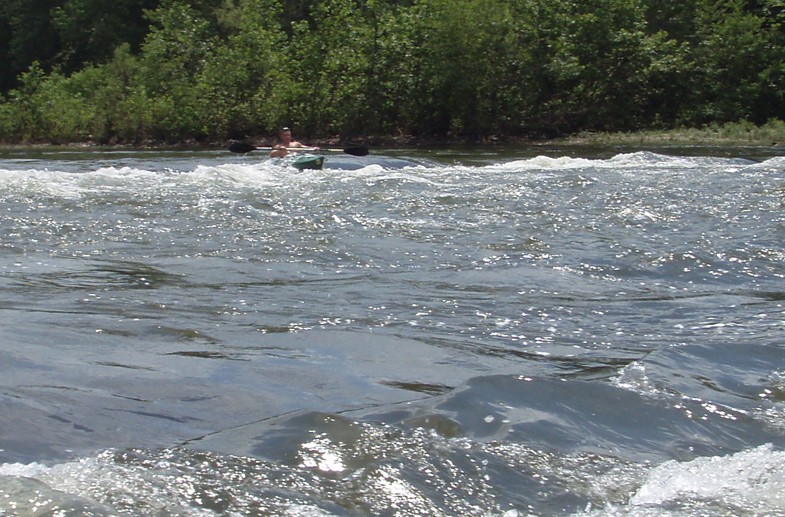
pixel 285 135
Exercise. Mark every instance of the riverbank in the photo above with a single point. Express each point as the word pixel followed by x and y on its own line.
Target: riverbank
pixel 731 134
pixel 737 133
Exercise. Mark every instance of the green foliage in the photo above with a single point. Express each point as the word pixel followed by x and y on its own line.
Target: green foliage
pixel 242 86
pixel 737 64
pixel 462 45
pixel 89 30
pixel 331 63
pixel 43 108
pixel 602 64
pixel 29 37
pixel 178 70
pixel 122 110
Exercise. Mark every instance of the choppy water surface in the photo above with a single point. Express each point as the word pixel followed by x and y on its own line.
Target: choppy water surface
pixel 207 334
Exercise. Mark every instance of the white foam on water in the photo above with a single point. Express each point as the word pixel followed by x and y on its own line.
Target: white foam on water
pixel 22 469
pixel 753 480
pixel 25 491
pixel 750 482
pixel 633 378
pixel 248 174
pixel 75 185
pixel 649 159
pixel 641 160
pixel 548 163
pixel 777 162
pixel 376 173
pixel 262 173
pixel 81 487
pixel 320 454
pixel 368 170
pixel 35 183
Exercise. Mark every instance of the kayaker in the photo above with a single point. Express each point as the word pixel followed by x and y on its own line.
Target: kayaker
pixel 285 142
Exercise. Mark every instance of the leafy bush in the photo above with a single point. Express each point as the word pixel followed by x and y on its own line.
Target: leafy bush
pixel 200 70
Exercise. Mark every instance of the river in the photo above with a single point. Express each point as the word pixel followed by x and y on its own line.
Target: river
pixel 497 332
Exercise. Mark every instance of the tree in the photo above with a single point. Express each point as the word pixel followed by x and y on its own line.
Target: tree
pixel 242 89
pixel 175 52
pixel 466 55
pixel 90 30
pixel 738 63
pixel 30 37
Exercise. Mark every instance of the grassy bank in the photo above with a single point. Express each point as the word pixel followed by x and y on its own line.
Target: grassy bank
pixel 736 133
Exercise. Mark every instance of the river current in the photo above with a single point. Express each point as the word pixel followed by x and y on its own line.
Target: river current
pixel 200 333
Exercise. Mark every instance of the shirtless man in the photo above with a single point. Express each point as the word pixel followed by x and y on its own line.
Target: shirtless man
pixel 284 143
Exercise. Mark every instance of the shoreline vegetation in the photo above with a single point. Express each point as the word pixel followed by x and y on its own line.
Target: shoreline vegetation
pixel 735 134
pixel 771 134
pixel 155 73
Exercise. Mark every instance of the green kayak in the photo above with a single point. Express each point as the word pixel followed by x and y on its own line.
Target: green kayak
pixel 308 161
